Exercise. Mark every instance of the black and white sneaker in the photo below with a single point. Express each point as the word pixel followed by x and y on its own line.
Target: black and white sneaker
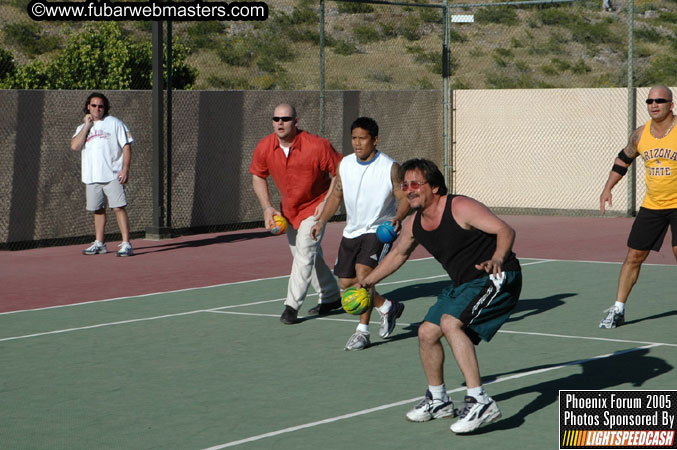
pixel 430 409
pixel 475 415
pixel 613 318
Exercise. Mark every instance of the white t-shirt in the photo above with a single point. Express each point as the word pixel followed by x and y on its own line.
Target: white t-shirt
pixel 367 193
pixel 102 152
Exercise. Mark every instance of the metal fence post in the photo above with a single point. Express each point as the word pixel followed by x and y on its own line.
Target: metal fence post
pixel 157 229
pixel 322 67
pixel 446 97
pixel 632 113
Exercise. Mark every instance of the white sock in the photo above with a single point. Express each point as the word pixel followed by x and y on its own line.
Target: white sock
pixel 479 394
pixel 439 392
pixel 363 327
pixel 385 307
pixel 620 307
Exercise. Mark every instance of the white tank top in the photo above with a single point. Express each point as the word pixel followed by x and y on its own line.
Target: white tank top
pixel 367 193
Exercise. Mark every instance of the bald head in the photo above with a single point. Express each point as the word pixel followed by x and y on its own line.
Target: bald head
pixel 662 91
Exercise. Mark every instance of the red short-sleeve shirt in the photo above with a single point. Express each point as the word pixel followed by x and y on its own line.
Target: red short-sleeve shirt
pixel 302 177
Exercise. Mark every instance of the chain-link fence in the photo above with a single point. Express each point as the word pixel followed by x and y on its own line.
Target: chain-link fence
pixel 539 103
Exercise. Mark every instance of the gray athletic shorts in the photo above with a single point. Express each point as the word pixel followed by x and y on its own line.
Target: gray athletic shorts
pixel 97 193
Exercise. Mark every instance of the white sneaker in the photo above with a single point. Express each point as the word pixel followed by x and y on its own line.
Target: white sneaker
pixel 358 341
pixel 125 249
pixel 430 409
pixel 96 248
pixel 475 415
pixel 389 319
pixel 613 318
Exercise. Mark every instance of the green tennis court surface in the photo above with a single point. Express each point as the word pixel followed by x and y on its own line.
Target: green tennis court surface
pixel 214 368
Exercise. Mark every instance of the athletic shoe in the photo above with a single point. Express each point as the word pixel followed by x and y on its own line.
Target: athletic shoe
pixel 389 319
pixel 430 409
pixel 358 341
pixel 289 315
pixel 613 318
pixel 322 309
pixel 475 415
pixel 96 248
pixel 125 249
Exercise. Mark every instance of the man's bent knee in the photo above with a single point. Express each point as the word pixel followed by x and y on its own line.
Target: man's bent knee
pixel 429 332
pixel 450 323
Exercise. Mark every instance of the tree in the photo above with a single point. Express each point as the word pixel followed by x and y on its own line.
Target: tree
pixel 101 57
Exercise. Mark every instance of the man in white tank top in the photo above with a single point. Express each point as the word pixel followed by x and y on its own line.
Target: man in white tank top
pixel 369 186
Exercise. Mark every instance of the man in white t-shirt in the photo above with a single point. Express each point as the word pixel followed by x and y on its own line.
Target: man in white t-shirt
pixel 106 155
pixel 368 184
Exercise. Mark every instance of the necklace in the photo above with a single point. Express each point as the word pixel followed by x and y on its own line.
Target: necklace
pixel 666 133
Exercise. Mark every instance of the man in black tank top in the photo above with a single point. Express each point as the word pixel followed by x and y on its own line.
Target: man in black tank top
pixel 475 248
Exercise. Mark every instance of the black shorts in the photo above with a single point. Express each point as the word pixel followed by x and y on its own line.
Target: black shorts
pixel 365 249
pixel 650 227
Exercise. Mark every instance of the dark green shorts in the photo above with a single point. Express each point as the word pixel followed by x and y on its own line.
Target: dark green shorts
pixel 483 304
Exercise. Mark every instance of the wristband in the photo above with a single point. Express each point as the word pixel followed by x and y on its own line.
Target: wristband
pixel 623 157
pixel 619 169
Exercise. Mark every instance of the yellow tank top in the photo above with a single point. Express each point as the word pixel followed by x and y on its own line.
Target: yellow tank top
pixel 660 162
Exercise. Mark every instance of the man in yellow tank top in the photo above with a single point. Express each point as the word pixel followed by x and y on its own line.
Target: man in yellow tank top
pixel 656 143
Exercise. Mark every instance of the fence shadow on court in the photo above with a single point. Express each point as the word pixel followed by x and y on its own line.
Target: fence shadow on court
pixel 621 368
pixel 222 239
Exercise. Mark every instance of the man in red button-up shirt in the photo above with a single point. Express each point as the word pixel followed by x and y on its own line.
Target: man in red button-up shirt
pixel 303 166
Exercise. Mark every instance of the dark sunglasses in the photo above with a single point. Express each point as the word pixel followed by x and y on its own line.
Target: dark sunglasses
pixel 283 119
pixel 657 100
pixel 95 106
pixel 412 185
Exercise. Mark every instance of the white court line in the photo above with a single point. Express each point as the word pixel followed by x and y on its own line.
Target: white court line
pixel 586 337
pixel 404 402
pixel 217 309
pixel 164 316
pixel 201 287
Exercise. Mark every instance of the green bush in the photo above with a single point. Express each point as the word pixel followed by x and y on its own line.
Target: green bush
pixel 409 29
pixel 379 77
pixel 354 8
pixel 204 34
pixel 430 15
pixel 661 70
pixel 228 83
pixel 236 51
pixel 560 64
pixel 455 36
pixel 503 15
pixel 580 67
pixel 504 52
pixel 345 48
pixel 29 38
pixel 556 16
pixel 7 66
pixel 366 33
pixel 549 70
pixel 101 57
pixel 648 34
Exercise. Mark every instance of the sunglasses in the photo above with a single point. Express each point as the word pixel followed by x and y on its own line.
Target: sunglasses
pixel 95 106
pixel 657 100
pixel 415 185
pixel 283 118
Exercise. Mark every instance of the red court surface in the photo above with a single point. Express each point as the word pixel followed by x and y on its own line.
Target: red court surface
pixel 62 275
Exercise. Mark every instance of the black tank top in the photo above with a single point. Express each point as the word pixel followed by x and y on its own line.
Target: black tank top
pixel 458 250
